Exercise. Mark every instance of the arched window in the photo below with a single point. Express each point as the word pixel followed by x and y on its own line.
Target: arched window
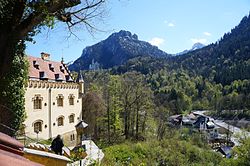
pixel 38 126
pixel 60 100
pixel 60 121
pixel 71 99
pixel 72 118
pixel 37 102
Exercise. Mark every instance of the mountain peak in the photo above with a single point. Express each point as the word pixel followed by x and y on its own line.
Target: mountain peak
pixel 117 49
pixel 123 33
pixel 197 46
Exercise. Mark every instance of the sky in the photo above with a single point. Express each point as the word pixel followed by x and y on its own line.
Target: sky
pixel 172 25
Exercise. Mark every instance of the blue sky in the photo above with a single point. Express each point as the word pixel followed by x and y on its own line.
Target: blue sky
pixel 172 25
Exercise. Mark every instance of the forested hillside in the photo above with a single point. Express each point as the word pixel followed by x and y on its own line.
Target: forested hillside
pixel 223 62
pixel 128 116
pixel 180 89
pixel 132 102
pixel 215 77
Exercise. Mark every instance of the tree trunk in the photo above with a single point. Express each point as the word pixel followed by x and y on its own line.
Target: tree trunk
pixel 144 123
pixel 126 122
pixel 132 124
pixel 108 112
pixel 6 54
pixel 114 119
pixel 137 121
pixel 161 130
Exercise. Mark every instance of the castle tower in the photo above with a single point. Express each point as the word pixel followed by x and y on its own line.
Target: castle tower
pixel 80 81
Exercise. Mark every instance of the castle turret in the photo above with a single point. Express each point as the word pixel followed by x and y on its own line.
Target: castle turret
pixel 80 81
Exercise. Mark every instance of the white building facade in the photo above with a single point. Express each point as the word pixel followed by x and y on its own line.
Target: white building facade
pixel 53 101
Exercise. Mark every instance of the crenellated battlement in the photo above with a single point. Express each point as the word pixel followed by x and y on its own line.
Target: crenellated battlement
pixel 55 85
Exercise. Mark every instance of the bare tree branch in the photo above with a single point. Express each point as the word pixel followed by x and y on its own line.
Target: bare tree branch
pixel 35 18
pixel 88 6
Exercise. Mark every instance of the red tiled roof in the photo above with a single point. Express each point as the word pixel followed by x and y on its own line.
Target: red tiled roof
pixel 11 159
pixel 9 141
pixel 44 66
pixel 11 152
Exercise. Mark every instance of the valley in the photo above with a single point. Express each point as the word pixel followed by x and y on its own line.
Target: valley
pixel 124 83
pixel 141 87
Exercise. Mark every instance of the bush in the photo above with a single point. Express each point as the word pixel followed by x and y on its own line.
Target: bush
pixel 169 152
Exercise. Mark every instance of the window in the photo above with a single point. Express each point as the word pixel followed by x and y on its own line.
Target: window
pixel 43 75
pixel 58 77
pixel 51 67
pixel 37 101
pixel 60 121
pixel 60 101
pixel 72 137
pixel 36 64
pixel 37 126
pixel 71 99
pixel 72 118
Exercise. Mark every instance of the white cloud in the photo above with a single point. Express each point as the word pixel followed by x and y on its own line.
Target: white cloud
pixel 207 33
pixel 171 24
pixel 195 40
pixel 156 41
pixel 168 23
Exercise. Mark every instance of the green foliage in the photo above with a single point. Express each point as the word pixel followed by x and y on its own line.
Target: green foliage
pixel 142 93
pixel 77 154
pixel 114 94
pixel 93 113
pixel 215 77
pixel 165 152
pixel 224 61
pixel 127 100
pixel 14 89
pixel 180 90
pixel 243 153
pixel 46 142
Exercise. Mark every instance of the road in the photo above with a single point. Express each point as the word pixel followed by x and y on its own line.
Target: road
pixel 237 132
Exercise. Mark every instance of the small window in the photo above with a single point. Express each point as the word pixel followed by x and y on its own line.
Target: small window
pixel 38 126
pixel 43 75
pixel 71 99
pixel 72 118
pixel 60 101
pixel 36 64
pixel 37 102
pixel 51 67
pixel 72 137
pixel 62 69
pixel 58 77
pixel 60 121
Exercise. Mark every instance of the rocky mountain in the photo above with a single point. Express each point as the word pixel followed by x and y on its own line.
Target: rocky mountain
pixel 223 62
pixel 196 46
pixel 117 49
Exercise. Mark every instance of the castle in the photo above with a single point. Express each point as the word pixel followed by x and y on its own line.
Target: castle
pixel 52 100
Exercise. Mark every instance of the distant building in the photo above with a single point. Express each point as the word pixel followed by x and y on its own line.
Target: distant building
pixel 94 65
pixel 226 151
pixel 52 100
